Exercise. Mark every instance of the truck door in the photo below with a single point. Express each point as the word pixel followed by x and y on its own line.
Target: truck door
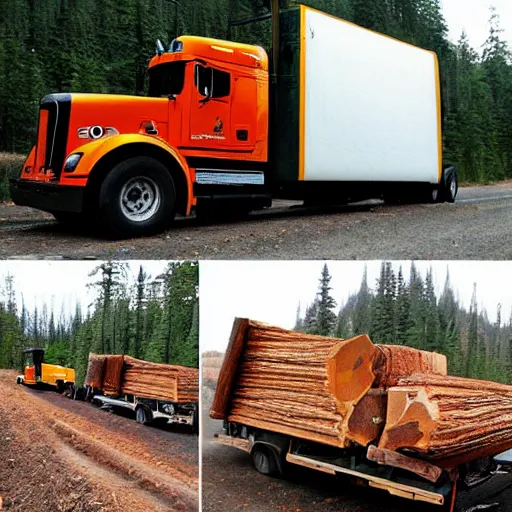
pixel 210 117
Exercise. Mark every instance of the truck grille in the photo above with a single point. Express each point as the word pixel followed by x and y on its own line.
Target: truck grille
pixel 52 133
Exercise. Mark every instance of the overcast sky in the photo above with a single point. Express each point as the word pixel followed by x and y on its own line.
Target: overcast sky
pixel 473 17
pixel 270 291
pixel 61 283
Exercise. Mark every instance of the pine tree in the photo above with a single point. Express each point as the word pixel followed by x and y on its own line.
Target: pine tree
pixel 325 316
pixel 362 311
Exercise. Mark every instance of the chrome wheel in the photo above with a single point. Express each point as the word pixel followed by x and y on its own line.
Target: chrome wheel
pixel 139 199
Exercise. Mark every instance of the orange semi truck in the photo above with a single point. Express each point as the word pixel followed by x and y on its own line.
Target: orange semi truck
pixel 338 113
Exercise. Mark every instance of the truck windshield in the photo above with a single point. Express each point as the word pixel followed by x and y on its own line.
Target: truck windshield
pixel 166 79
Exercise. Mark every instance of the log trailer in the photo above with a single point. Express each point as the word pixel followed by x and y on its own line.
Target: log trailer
pixel 337 114
pixel 39 374
pixel 288 398
pixel 155 393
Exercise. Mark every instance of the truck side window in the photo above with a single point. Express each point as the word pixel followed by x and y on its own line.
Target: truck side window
pixel 212 82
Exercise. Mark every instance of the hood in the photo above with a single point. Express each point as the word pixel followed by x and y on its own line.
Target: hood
pixel 114 113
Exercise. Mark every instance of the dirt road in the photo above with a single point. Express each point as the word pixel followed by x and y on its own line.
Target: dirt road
pixel 477 226
pixel 62 455
pixel 229 482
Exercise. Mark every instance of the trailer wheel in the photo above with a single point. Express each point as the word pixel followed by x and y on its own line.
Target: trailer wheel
pixel 142 416
pixel 138 197
pixel 451 187
pixel 264 460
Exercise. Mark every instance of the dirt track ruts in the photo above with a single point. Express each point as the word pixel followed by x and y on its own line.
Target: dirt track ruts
pixel 478 226
pixel 58 454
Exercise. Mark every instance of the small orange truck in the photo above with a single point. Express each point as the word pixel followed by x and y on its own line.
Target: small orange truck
pixel 38 373
pixel 338 114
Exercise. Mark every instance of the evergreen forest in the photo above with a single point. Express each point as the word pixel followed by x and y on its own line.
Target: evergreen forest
pixel 403 309
pixel 156 318
pixel 104 46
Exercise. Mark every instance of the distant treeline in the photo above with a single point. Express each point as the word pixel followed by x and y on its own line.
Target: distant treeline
pixel 104 46
pixel 156 319
pixel 406 311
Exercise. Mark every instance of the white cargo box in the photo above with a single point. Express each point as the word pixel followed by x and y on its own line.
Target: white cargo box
pixel 370 105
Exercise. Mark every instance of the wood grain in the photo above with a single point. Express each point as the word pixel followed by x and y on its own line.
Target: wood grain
pixel 121 374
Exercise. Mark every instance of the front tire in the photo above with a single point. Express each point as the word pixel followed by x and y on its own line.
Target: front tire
pixel 137 198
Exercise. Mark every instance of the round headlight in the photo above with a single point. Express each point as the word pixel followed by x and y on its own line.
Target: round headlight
pixel 96 132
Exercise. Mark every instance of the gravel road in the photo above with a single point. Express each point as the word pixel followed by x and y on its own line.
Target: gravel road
pixel 60 455
pixel 229 482
pixel 478 226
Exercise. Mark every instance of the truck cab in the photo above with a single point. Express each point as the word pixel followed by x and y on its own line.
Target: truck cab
pixel 217 91
pixel 130 163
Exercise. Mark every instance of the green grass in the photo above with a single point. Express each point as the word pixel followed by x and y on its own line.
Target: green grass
pixel 10 167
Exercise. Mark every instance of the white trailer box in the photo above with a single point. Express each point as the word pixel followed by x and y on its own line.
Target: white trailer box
pixel 355 106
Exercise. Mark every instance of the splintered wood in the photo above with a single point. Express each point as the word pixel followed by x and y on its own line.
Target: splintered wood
pixel 450 419
pixel 120 375
pixel 339 392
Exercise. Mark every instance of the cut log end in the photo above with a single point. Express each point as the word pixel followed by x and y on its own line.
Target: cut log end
pixel 350 369
pixel 410 421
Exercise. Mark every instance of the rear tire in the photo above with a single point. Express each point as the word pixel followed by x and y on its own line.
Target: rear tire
pixel 451 187
pixel 142 416
pixel 264 460
pixel 59 386
pixel 137 198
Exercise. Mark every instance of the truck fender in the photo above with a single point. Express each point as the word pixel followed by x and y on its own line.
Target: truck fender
pixel 98 157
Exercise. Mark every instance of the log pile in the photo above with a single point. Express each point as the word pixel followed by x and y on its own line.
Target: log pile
pixel 340 392
pixel 450 419
pixel 121 374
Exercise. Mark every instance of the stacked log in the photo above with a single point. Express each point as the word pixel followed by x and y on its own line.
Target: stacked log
pixel 95 371
pixel 448 419
pixel 398 361
pixel 113 373
pixel 121 374
pixel 311 387
pixel 160 381
pixel 340 392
